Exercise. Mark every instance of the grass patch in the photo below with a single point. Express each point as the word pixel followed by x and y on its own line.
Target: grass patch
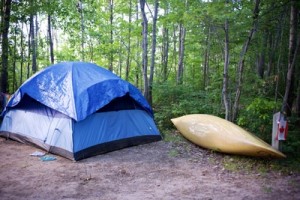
pixel 174 137
pixel 173 153
pixel 294 183
pixel 267 189
pixel 229 164
pixel 260 165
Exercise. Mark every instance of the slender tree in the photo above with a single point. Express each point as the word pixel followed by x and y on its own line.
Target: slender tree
pixel 174 49
pixel 50 39
pixel 28 52
pixel 129 41
pixel 138 54
pixel 242 60
pixel 278 43
pixel 289 94
pixel 152 66
pixel 225 73
pixel 5 18
pixel 182 30
pixel 262 56
pixel 33 43
pixel 14 85
pixel 33 36
pixel 82 27
pixel 165 53
pixel 22 54
pixel 298 102
pixel 206 58
pixel 111 57
pixel 145 49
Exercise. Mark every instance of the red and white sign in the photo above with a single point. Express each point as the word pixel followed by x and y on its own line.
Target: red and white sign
pixel 282 128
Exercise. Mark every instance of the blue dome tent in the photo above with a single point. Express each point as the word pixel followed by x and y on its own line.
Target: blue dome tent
pixel 77 110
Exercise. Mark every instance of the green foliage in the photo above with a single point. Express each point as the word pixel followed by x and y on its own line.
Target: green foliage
pixel 292 145
pixel 172 101
pixel 257 117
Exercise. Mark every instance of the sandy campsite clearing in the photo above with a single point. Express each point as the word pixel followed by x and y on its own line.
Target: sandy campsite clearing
pixel 160 170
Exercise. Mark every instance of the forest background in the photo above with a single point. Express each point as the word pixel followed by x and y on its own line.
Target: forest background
pixel 236 59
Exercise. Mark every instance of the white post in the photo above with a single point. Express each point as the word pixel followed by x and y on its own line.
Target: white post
pixel 275 142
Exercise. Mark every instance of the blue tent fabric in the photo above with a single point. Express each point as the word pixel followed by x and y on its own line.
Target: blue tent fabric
pixel 55 87
pixel 78 110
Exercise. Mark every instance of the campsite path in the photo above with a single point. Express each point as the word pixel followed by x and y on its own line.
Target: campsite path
pixel 161 170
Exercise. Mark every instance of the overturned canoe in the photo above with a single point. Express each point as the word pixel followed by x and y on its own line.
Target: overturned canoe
pixel 221 135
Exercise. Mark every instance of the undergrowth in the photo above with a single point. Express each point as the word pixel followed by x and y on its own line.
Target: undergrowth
pixel 172 101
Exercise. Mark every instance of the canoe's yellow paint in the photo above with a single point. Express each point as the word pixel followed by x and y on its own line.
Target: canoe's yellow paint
pixel 221 135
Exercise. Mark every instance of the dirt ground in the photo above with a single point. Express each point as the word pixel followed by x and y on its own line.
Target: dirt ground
pixel 160 170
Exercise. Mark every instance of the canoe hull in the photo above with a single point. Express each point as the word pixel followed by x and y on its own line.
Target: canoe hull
pixel 218 134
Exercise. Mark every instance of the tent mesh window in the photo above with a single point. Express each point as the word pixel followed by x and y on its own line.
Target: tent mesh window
pixel 121 103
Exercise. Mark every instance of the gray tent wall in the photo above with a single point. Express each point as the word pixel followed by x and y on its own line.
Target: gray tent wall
pixel 39 125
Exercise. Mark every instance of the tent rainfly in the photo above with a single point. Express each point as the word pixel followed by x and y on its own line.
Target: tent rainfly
pixel 78 110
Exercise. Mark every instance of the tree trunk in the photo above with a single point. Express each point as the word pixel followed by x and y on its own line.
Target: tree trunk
pixel 206 59
pixel 279 42
pixel 111 56
pixel 293 48
pixel 80 10
pixel 33 46
pixel 120 63
pixel 174 57
pixel 152 66
pixel 181 54
pixel 138 70
pixel 1 21
pixel 14 60
pixel 165 54
pixel 271 52
pixel 298 101
pixel 241 61
pixel 260 64
pixel 36 42
pixel 165 49
pixel 91 49
pixel 129 42
pixel 33 34
pixel 6 7
pixel 261 57
pixel 50 40
pixel 22 56
pixel 225 73
pixel 29 53
pixel 275 45
pixel 145 49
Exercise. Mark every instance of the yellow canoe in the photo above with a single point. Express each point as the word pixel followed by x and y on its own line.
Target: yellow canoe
pixel 218 134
